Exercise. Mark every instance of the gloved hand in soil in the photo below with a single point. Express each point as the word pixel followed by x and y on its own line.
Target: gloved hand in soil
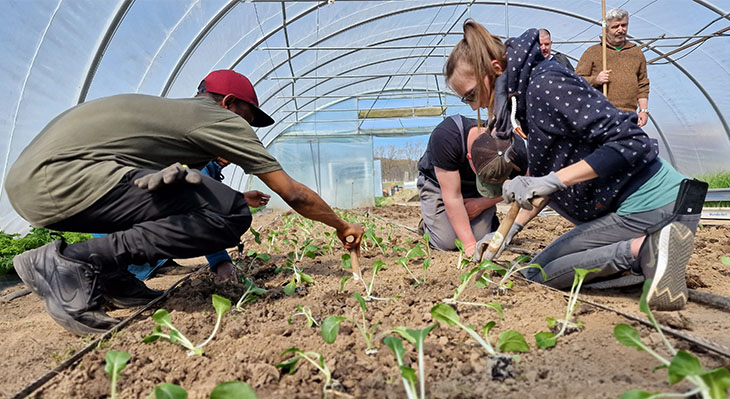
pixel 482 244
pixel 523 188
pixel 171 174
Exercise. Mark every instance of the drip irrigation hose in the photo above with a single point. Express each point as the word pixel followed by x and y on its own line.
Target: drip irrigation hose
pixel 700 297
pixel 30 388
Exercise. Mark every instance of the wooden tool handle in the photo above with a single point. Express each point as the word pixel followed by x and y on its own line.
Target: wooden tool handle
pixel 354 261
pixel 508 221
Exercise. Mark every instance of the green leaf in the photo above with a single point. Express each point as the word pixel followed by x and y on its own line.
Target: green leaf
pixel 291 287
pixel 233 390
pixel 497 268
pixel 426 264
pixel 420 335
pixel 409 374
pixel 459 245
pixel 221 305
pixel 346 262
pixel 378 265
pixel 343 281
pixel 330 328
pixel 683 364
pixel 361 301
pixel 718 380
pixel 396 345
pixel 488 327
pixel 306 278
pixel 445 314
pixel 256 235
pixel 581 273
pixel 415 252
pixel 512 341
pixel 170 391
pixel 403 332
pixel 288 366
pixel 626 335
pixel 115 362
pixel 496 306
pixel 643 303
pixel 161 316
pixel 545 339
pixel 636 394
pixel 509 285
pixel 251 252
pixel 264 257
pixel 725 260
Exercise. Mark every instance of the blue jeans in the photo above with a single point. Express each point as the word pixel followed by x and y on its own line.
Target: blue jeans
pixel 604 243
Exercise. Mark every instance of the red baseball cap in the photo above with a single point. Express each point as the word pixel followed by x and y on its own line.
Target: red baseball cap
pixel 227 81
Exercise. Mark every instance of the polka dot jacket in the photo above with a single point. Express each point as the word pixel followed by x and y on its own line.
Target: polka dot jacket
pixel 566 120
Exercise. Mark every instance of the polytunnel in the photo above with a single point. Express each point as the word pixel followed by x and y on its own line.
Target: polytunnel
pixel 336 74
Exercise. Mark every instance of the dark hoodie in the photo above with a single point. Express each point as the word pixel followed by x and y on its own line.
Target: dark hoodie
pixel 567 120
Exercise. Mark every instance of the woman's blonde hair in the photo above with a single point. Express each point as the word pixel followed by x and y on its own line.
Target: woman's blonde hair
pixel 478 48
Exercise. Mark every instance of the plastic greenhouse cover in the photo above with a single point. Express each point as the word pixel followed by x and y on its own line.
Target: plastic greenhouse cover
pixel 306 58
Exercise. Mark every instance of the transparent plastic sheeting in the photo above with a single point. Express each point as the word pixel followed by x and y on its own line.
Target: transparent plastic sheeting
pixel 306 56
pixel 340 170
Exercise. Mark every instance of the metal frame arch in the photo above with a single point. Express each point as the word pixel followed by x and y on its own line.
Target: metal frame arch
pixel 124 7
pixel 543 8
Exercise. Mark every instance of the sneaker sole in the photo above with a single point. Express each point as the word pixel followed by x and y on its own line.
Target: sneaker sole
pixel 69 323
pixel 668 290
pixel 23 265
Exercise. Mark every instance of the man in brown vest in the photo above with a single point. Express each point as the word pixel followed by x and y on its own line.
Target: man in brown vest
pixel 625 73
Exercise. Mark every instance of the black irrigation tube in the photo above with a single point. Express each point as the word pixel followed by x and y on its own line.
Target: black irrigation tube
pixel 715 301
pixel 30 388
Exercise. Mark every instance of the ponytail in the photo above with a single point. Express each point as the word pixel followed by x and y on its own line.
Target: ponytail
pixel 478 48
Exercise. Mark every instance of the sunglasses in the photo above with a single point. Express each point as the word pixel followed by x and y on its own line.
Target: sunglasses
pixel 470 96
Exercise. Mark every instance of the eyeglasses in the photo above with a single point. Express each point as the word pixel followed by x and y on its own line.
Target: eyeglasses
pixel 470 96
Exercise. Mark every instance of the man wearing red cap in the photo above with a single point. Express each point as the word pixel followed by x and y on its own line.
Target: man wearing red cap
pixel 119 165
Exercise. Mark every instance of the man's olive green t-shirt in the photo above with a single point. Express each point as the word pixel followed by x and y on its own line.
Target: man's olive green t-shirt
pixel 84 152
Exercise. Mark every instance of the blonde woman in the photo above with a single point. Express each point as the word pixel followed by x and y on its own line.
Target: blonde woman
pixel 634 214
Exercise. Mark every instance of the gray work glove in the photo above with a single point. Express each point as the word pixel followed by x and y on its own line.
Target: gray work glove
pixel 173 173
pixel 516 228
pixel 481 247
pixel 523 188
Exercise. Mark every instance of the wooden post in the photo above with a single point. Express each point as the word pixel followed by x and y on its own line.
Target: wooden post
pixel 603 42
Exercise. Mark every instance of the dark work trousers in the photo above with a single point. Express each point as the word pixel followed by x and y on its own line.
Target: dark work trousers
pixel 178 220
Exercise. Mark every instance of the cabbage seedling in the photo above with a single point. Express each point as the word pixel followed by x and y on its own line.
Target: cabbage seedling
pixel 115 363
pixel 331 326
pixel 408 375
pixel 547 339
pixel 307 313
pixel 290 366
pixel 250 295
pixel 224 390
pixel 414 252
pixel 256 255
pixel 371 236
pixel 505 283
pixel 163 320
pixel 463 261
pixel 710 384
pixel 297 277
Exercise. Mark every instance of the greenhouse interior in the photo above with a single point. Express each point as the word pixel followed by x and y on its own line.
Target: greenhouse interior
pixel 342 80
pixel 320 69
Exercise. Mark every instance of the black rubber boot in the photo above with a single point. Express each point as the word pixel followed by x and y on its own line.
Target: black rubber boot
pixel 68 287
pixel 123 290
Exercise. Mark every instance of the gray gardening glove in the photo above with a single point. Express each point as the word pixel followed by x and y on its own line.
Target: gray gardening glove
pixel 481 247
pixel 516 228
pixel 523 188
pixel 173 173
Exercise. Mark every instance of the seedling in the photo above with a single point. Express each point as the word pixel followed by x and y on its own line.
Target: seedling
pixel 710 384
pixel 298 276
pixel 509 341
pixel 115 363
pixel 408 375
pixel 163 320
pixel 224 390
pixel 463 261
pixel 414 252
pixel 255 255
pixel 251 294
pixel 290 366
pixel 505 284
pixel 372 237
pixel 307 313
pixel 427 260
pixel 547 339
pixel 331 326
pixel 331 242
pixel 271 240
